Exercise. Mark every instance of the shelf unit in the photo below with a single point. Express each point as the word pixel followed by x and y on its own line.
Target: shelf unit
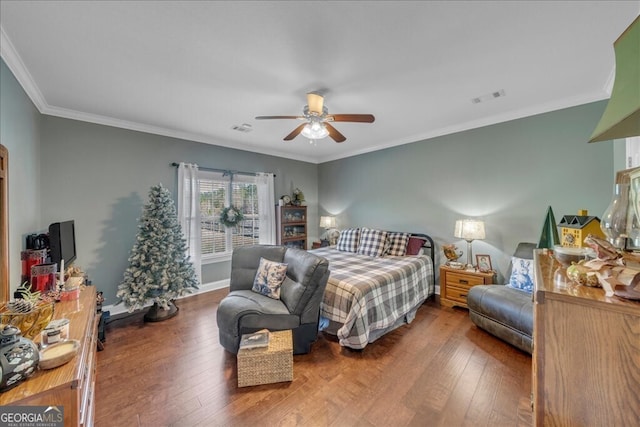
pixel 291 222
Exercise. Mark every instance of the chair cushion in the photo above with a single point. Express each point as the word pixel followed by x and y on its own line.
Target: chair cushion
pixel 269 278
pixel 510 307
pixel 245 261
pixel 245 309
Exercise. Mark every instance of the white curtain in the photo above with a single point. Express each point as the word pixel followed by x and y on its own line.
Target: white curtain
pixel 189 213
pixel 266 208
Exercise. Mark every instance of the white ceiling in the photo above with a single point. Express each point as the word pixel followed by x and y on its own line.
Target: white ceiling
pixel 195 69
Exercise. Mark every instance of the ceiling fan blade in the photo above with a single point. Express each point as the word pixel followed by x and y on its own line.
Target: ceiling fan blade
pixel 315 103
pixel 360 118
pixel 295 132
pixel 279 117
pixel 334 134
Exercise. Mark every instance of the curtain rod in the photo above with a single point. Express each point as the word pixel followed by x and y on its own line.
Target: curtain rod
pixel 224 171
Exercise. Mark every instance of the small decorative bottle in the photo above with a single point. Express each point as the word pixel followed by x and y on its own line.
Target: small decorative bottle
pixel 614 219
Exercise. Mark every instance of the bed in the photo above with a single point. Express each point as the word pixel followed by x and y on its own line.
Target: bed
pixel 369 296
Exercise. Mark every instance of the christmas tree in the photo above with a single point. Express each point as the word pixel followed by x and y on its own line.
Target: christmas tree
pixel 159 269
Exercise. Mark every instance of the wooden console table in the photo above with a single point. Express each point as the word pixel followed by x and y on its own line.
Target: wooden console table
pixel 71 385
pixel 586 352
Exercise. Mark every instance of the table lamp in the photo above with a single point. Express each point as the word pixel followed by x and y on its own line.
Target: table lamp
pixel 328 223
pixel 469 230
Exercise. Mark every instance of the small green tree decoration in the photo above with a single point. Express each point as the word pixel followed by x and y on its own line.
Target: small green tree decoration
pixel 159 268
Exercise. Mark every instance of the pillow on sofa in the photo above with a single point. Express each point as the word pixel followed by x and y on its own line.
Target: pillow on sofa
pixel 372 242
pixel 521 274
pixel 348 240
pixel 396 244
pixel 269 278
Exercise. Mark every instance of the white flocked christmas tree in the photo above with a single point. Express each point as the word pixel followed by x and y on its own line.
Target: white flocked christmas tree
pixel 159 269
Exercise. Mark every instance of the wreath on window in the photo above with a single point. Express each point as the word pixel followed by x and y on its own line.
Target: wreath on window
pixel 231 216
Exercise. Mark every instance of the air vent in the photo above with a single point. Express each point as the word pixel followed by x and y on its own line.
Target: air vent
pixel 493 95
pixel 245 127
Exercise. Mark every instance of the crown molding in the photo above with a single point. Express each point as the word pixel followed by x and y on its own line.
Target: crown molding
pixel 162 131
pixel 475 124
pixel 20 71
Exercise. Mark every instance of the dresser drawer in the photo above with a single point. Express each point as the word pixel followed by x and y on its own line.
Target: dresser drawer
pixel 462 280
pixel 455 293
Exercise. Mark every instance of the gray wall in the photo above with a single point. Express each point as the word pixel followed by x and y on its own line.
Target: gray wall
pixel 506 174
pixel 20 133
pixel 100 177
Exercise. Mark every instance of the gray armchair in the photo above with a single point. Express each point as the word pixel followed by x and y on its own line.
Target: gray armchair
pixel 503 311
pixel 244 311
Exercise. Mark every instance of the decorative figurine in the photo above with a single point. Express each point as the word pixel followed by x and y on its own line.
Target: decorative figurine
pixel 451 252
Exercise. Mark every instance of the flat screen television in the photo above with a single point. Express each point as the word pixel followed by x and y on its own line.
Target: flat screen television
pixel 62 242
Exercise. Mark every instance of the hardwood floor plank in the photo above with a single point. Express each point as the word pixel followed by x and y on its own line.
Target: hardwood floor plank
pixel 439 370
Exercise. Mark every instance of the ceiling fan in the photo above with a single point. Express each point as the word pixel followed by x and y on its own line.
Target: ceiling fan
pixel 317 118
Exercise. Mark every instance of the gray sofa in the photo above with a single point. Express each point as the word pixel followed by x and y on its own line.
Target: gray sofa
pixel 505 312
pixel 244 311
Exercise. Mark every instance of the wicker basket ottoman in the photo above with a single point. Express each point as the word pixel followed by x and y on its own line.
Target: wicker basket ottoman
pixel 272 364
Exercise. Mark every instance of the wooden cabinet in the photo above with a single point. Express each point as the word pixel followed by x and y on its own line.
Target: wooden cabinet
pixel 586 352
pixel 72 385
pixel 291 222
pixel 455 285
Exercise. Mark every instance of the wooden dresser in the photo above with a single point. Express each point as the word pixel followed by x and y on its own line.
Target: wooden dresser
pixel 71 385
pixel 586 353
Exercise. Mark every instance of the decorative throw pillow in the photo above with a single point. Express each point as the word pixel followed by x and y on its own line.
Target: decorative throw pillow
pixel 348 240
pixel 372 242
pixel 269 278
pixel 521 274
pixel 396 244
pixel 414 245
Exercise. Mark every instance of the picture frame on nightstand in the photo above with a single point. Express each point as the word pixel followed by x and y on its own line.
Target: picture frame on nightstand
pixel 484 263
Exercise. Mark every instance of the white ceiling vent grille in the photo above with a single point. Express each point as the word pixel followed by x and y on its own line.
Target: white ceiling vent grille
pixel 493 95
pixel 245 127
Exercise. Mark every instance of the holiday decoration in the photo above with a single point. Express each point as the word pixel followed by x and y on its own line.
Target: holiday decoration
pixel 549 235
pixel 159 270
pixel 231 216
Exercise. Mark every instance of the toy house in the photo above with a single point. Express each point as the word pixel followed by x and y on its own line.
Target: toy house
pixel 574 228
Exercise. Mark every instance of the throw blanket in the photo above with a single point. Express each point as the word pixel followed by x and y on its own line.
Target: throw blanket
pixel 367 294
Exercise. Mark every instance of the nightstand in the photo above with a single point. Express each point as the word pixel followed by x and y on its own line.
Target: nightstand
pixel 320 244
pixel 455 284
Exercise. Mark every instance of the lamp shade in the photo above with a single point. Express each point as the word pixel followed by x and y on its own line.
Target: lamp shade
pixel 621 118
pixel 469 229
pixel 328 221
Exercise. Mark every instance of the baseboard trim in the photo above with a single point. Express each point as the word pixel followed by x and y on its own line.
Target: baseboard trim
pixel 117 311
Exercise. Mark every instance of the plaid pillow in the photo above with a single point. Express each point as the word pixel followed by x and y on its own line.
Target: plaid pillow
pixel 396 244
pixel 372 242
pixel 348 240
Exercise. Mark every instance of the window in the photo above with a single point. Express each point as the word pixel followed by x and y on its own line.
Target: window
pixel 217 191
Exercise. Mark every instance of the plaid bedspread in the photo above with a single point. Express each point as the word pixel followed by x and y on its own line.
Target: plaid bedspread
pixel 366 294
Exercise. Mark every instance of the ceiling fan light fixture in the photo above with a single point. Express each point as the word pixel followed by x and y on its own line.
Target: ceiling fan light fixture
pixel 315 130
pixel 315 103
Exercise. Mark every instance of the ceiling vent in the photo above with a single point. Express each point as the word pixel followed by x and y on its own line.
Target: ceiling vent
pixel 245 127
pixel 493 95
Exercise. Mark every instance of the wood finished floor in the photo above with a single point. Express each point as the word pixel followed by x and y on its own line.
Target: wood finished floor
pixel 438 371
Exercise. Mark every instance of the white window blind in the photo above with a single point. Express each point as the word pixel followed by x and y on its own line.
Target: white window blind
pixel 217 191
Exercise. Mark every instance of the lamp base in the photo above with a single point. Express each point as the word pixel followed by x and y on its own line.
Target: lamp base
pixel 469 255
